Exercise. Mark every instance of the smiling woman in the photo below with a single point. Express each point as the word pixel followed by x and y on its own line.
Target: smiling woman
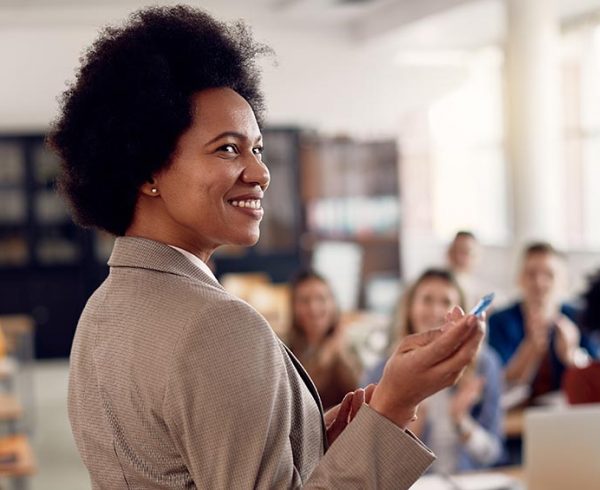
pixel 174 382
pixel 210 194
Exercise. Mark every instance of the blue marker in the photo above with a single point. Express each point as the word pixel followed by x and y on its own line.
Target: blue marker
pixel 483 304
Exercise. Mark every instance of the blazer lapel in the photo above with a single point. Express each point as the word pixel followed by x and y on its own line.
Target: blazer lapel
pixel 311 387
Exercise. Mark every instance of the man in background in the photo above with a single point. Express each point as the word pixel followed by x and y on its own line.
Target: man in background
pixel 537 337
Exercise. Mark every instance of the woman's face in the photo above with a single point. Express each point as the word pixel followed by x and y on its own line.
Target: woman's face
pixel 314 308
pixel 211 193
pixel 431 301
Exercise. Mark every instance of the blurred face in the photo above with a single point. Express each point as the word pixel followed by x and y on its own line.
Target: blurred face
pixel 211 193
pixel 314 308
pixel 463 254
pixel 431 301
pixel 540 278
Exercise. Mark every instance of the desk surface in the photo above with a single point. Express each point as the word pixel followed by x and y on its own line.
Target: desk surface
pixel 516 472
pixel 495 478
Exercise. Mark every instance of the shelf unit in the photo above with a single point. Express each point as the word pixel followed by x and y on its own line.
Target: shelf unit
pixel 350 194
pixel 47 264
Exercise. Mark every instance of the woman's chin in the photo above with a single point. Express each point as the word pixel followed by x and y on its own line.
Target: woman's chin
pixel 247 240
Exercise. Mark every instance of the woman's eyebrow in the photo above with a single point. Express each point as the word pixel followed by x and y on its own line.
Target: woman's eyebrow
pixel 232 134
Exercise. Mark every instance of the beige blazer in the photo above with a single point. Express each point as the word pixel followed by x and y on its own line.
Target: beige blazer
pixel 177 384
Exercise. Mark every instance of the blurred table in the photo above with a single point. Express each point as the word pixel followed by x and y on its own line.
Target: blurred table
pixel 506 478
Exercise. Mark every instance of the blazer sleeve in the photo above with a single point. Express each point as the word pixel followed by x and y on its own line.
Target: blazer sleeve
pixel 228 404
pixel 372 453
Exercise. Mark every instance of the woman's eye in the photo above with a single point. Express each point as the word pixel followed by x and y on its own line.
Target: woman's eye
pixel 258 150
pixel 228 149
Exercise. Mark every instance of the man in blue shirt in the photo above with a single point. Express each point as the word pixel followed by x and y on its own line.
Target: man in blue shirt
pixel 537 337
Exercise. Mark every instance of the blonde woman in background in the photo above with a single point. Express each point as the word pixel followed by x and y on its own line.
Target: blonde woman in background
pixel 462 425
pixel 317 340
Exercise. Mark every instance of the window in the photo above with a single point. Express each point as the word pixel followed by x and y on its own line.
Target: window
pixel 581 118
pixel 468 163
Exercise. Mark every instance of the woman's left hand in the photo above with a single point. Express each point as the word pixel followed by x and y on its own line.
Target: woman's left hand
pixel 337 418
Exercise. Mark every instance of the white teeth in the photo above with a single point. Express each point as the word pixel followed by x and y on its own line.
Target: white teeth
pixel 250 203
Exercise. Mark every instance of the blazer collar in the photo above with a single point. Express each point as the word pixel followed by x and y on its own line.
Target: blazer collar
pixel 143 253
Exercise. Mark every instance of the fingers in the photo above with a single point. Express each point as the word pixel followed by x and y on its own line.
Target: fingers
pixel 454 314
pixel 369 389
pixel 450 340
pixel 337 417
pixel 452 367
pixel 413 341
pixel 357 400
pixel 330 415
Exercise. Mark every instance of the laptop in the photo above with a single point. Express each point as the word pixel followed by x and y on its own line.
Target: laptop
pixel 562 448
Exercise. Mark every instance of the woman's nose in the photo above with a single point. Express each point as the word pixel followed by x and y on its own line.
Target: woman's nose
pixel 256 172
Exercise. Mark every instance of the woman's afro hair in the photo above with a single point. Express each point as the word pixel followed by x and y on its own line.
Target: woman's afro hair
pixel 121 118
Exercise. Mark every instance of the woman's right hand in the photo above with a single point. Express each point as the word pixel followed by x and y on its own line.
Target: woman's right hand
pixel 425 363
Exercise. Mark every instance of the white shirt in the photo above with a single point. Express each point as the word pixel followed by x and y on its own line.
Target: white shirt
pixel 196 261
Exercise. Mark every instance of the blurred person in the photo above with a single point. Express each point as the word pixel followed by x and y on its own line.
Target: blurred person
pixel 463 258
pixel 463 253
pixel 582 384
pixel 316 338
pixel 174 382
pixel 537 337
pixel 463 424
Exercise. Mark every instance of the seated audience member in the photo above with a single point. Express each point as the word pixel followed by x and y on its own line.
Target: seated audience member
pixel 463 256
pixel 316 339
pixel 582 384
pixel 537 337
pixel 463 424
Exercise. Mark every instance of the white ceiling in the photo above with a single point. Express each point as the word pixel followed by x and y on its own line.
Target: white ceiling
pixel 412 23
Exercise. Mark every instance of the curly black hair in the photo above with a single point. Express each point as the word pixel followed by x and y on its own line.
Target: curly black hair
pixel 121 118
pixel 590 316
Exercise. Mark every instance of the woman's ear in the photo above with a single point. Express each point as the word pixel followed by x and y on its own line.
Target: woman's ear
pixel 150 188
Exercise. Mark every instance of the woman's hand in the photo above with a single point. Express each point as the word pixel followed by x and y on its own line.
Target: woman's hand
pixel 338 417
pixel 417 426
pixel 425 363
